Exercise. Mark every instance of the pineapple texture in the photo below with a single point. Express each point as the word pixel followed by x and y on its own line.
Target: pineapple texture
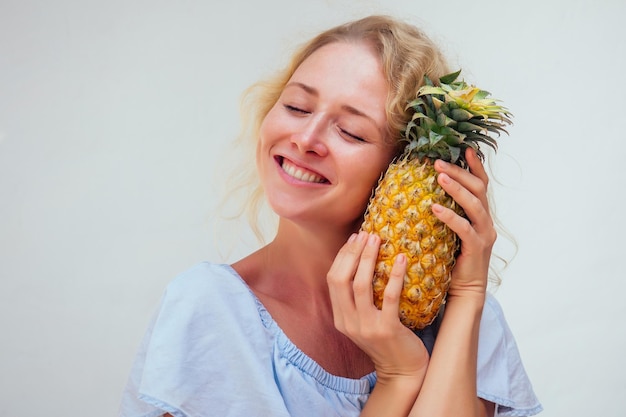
pixel 446 120
pixel 400 213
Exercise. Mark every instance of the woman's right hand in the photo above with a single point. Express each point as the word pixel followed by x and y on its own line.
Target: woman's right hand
pixel 397 353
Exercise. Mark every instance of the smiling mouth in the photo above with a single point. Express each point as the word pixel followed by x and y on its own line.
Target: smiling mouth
pixel 299 173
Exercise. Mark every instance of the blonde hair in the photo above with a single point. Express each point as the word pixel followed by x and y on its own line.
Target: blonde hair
pixel 406 55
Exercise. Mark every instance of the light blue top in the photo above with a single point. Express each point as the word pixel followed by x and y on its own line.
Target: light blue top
pixel 214 350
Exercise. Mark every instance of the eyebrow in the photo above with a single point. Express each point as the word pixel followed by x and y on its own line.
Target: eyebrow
pixel 312 91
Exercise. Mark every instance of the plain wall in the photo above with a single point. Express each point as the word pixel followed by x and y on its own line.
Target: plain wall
pixel 114 117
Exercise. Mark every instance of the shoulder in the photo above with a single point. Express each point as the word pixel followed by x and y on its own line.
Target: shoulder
pixel 205 296
pixel 493 325
pixel 203 275
pixel 207 310
pixel 206 281
pixel 208 325
pixel 496 340
pixel 502 378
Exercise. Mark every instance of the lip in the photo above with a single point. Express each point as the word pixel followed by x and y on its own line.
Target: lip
pixel 297 172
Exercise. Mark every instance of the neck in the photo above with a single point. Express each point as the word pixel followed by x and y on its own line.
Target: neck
pixel 293 267
pixel 307 251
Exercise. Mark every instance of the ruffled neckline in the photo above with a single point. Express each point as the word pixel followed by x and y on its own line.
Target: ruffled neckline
pixel 294 355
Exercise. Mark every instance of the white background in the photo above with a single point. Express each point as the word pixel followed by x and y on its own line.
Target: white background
pixel 114 116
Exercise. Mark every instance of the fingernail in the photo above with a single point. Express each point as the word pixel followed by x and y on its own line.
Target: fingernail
pixel 442 163
pixel 352 238
pixel 401 258
pixel 444 178
pixel 436 208
pixel 372 240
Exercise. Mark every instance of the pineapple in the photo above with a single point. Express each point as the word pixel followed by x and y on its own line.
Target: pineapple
pixel 446 120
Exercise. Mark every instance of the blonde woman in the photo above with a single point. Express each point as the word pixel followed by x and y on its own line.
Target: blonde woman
pixel 291 329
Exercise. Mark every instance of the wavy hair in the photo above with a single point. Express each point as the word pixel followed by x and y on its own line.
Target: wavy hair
pixel 406 55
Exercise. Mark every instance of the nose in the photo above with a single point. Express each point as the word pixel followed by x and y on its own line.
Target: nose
pixel 313 135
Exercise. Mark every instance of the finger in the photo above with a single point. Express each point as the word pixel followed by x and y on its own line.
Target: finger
pixel 342 272
pixel 476 208
pixel 475 180
pixel 460 225
pixel 477 169
pixel 362 285
pixel 476 166
pixel 393 290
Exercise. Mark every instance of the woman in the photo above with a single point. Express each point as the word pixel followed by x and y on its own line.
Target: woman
pixel 291 329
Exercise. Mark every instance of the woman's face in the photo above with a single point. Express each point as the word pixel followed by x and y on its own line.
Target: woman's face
pixel 323 145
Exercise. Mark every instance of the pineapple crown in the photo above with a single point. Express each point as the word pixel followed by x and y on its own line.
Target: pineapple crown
pixel 450 117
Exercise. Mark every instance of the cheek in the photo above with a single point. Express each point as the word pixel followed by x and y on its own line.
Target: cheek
pixel 380 164
pixel 272 118
pixel 263 135
pixel 373 175
pixel 366 180
pixel 259 160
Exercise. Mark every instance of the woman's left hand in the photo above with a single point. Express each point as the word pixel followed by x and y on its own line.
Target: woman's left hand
pixel 477 233
pixel 397 353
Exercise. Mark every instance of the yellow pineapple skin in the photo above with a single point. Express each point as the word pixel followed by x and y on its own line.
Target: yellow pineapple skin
pixel 400 213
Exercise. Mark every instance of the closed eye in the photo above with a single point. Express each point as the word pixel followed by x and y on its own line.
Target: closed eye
pixel 355 137
pixel 294 109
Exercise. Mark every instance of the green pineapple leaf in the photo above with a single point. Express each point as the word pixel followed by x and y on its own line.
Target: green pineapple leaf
pixel 449 78
pixel 450 117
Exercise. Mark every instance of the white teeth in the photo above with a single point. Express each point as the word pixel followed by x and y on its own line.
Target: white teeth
pixel 299 174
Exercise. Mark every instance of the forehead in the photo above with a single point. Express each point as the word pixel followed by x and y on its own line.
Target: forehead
pixel 341 57
pixel 345 71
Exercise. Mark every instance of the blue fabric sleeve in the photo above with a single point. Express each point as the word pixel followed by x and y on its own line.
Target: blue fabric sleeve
pixel 198 360
pixel 212 349
pixel 502 378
